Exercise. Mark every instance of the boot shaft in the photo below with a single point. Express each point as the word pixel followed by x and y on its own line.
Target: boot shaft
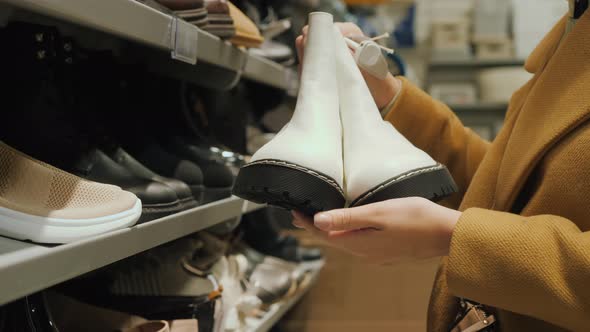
pixel 375 154
pixel 317 101
pixel 313 137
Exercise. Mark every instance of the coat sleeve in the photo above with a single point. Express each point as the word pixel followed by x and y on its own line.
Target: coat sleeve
pixel 536 266
pixel 433 127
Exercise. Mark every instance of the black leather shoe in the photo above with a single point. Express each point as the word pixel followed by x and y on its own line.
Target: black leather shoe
pixel 182 190
pixel 288 248
pixel 29 314
pixel 262 232
pixel 157 199
pixel 217 177
pixel 154 157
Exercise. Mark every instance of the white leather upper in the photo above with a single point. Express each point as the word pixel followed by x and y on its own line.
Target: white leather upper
pixel 374 151
pixel 312 138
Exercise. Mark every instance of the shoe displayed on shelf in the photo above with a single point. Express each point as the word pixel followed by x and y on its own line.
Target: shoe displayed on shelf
pixel 220 21
pixel 287 247
pixel 247 33
pixel 35 88
pixel 69 314
pixel 207 251
pixel 162 273
pixel 238 302
pixel 231 159
pixel 181 189
pixel 271 283
pixel 29 314
pixel 274 51
pixel 158 200
pixel 192 11
pixel 217 177
pixel 271 279
pixel 156 158
pixel 301 168
pixel 379 162
pixel 44 204
pixel 155 285
pixel 261 230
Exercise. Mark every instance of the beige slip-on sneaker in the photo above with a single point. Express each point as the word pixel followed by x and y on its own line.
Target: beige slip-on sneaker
pixel 44 204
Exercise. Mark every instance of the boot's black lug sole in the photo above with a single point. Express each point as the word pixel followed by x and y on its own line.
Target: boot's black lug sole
pixel 188 203
pixel 434 183
pixel 286 187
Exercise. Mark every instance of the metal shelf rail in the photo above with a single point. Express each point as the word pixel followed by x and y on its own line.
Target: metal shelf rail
pixel 26 268
pixel 131 20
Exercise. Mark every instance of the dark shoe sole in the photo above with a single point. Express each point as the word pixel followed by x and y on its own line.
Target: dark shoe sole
pixel 289 186
pixel 151 212
pixel 433 183
pixel 215 194
pixel 188 203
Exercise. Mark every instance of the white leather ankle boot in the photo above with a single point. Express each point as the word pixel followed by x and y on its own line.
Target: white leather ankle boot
pixel 301 168
pixel 379 162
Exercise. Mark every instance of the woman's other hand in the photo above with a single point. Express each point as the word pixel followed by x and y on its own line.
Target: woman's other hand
pixel 386 232
pixel 382 91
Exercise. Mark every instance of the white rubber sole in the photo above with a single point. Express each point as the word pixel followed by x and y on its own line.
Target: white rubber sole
pixel 24 226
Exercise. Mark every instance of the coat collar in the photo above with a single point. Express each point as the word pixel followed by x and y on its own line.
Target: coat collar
pixel 543 52
pixel 559 101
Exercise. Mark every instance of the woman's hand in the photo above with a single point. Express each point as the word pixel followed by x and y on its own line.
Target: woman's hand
pixel 383 91
pixel 386 232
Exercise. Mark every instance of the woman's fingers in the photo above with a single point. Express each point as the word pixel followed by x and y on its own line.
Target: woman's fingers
pixel 348 29
pixel 349 219
pixel 299 47
pixel 303 221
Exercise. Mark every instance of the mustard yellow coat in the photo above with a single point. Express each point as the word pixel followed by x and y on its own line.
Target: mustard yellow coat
pixel 522 244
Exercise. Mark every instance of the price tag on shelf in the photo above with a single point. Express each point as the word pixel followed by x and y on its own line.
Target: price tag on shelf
pixel 185 38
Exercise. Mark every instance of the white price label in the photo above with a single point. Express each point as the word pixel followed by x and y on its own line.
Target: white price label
pixel 185 38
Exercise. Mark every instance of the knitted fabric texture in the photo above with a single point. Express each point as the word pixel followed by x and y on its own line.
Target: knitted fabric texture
pixel 33 187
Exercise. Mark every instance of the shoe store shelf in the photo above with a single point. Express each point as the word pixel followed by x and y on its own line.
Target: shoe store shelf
pixel 26 268
pixel 278 310
pixel 251 207
pixel 138 22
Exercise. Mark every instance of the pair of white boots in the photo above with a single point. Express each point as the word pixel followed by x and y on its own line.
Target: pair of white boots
pixel 337 151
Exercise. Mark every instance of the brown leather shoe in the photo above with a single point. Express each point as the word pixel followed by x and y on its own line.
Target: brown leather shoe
pixel 220 19
pixel 217 6
pixel 192 14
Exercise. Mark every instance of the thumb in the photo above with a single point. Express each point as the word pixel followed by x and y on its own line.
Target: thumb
pixel 348 219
